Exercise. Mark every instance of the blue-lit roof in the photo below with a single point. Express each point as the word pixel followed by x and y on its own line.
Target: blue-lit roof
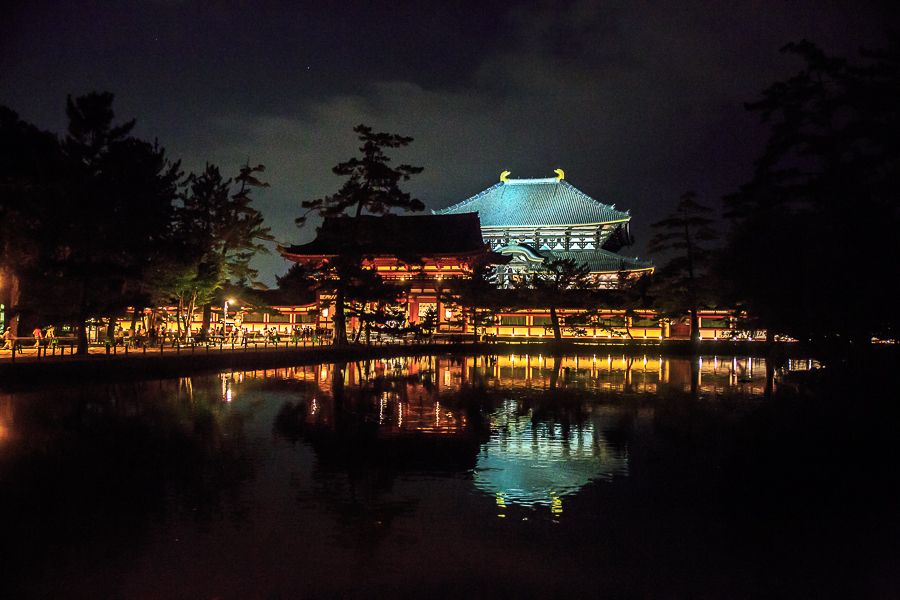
pixel 536 202
pixel 600 261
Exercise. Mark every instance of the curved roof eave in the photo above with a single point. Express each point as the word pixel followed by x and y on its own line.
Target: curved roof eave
pixel 557 224
pixel 537 203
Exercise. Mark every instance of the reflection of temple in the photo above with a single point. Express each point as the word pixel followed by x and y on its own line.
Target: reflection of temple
pixel 396 414
pixel 533 219
pixel 605 373
pixel 415 414
pixel 532 462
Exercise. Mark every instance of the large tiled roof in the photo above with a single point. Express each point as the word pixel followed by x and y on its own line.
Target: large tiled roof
pixel 425 235
pixel 600 261
pixel 536 202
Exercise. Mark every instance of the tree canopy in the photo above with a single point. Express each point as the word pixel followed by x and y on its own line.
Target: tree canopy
pixel 681 284
pixel 813 241
pixel 96 222
pixel 373 186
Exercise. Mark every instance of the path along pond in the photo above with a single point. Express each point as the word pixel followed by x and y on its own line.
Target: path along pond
pixel 453 476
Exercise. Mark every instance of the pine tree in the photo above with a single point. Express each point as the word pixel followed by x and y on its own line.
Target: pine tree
pixel 372 186
pixel 549 286
pixel 813 242
pixel 681 283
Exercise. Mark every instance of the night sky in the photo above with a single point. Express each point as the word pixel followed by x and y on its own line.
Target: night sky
pixel 636 101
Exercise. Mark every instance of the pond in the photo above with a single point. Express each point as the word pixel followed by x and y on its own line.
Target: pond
pixel 453 476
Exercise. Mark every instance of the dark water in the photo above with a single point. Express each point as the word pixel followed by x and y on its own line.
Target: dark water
pixel 493 477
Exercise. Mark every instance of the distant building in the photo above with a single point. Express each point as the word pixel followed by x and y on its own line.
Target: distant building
pixel 533 219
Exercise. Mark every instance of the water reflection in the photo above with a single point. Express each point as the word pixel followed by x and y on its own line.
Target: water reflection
pixel 604 373
pixel 488 415
pixel 281 482
pixel 531 463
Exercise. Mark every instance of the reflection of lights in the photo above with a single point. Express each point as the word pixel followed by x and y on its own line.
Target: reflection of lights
pixel 556 505
pixel 534 464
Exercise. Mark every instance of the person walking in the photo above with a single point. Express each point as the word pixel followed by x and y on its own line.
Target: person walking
pixel 9 339
pixel 37 336
pixel 50 336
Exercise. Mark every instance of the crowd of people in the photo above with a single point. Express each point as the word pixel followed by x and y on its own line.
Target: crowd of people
pixel 235 335
pixel 141 337
pixel 42 337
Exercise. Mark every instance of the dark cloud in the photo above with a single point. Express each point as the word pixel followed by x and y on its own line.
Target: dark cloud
pixel 636 100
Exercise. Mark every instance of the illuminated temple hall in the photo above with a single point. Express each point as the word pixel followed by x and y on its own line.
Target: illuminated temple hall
pixel 423 252
pixel 530 219
pixel 514 225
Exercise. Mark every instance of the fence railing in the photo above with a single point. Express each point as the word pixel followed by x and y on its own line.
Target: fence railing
pixel 65 347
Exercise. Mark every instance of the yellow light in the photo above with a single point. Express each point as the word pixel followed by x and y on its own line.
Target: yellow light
pixel 556 506
pixel 325 313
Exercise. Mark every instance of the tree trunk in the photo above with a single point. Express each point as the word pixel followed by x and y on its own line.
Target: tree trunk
pixel 554 319
pixel 179 312
pixel 340 323
pixel 82 339
pixel 10 282
pixel 134 316
pixel 207 318
pixel 695 327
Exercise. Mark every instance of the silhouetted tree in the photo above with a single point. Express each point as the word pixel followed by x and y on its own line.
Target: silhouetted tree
pixel 682 283
pixel 550 285
pixel 813 244
pixel 30 185
pixel 218 233
pixel 241 230
pixel 98 235
pixel 475 299
pixel 373 186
